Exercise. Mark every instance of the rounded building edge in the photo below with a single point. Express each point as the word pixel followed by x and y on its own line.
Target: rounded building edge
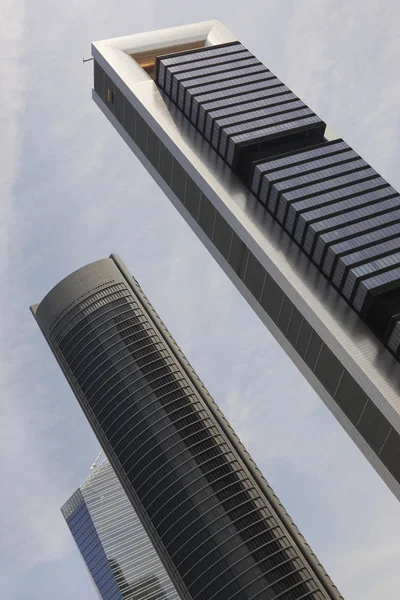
pixel 72 288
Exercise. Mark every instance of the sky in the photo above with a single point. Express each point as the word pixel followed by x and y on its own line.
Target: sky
pixel 72 193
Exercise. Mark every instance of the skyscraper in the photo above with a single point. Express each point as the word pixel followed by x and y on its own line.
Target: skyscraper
pixel 117 551
pixel 220 531
pixel 303 226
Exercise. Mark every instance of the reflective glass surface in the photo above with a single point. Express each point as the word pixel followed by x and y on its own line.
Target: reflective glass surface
pixel 115 547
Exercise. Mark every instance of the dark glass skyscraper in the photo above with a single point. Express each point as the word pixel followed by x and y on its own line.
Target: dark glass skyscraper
pixel 117 551
pixel 220 531
pixel 305 228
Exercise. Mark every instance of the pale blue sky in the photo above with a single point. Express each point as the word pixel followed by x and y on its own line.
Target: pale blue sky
pixel 73 193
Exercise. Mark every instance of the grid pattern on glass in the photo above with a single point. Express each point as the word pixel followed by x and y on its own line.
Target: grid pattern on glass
pixel 195 97
pixel 336 380
pixel 217 530
pixel 122 561
pixel 333 204
pixel 243 104
pixel 196 108
pixel 193 83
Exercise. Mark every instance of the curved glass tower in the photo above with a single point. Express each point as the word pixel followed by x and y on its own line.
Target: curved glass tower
pixel 218 527
pixel 117 552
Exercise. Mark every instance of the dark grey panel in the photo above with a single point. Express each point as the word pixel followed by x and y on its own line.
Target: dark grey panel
pixel 285 315
pixel 255 276
pixel 313 351
pixel 247 120
pixel 227 79
pixel 179 181
pixel 195 58
pixel 328 186
pixel 362 256
pixel 294 158
pixel 258 75
pixel 213 66
pixel 222 236
pixel 270 132
pixel 302 156
pixel 226 71
pixel 109 87
pixel 346 219
pixel 329 370
pixel 130 120
pixel 153 148
pixel 190 57
pixel 194 69
pixel 99 80
pixel 304 338
pixel 166 164
pixel 295 170
pixel 354 230
pixel 267 85
pixel 119 105
pixel 390 454
pixel 272 298
pixel 327 177
pixel 141 133
pixel 238 255
pixel 374 283
pixel 294 327
pixel 356 188
pixel 192 198
pixel 342 206
pixel 351 398
pixel 241 103
pixel 259 124
pixel 207 216
pixel 394 340
pixel 357 243
pixel 366 270
pixel 373 426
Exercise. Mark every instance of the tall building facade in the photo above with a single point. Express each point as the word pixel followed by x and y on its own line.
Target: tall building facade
pixel 307 231
pixel 117 551
pixel 218 527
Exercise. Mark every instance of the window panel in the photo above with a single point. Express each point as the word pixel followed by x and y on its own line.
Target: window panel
pixel 206 216
pixel 166 164
pixel 373 426
pixel 192 198
pixel 255 276
pixel 238 255
pixel 222 236
pixel 351 398
pixel 272 298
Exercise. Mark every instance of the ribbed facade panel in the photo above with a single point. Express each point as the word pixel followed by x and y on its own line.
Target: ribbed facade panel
pixel 116 549
pixel 341 212
pixel 189 80
pixel 218 530
pixel 322 196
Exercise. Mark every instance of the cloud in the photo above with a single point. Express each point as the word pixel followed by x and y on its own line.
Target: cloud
pixel 74 193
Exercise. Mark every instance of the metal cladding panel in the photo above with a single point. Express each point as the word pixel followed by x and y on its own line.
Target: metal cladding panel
pixel 217 525
pixel 335 205
pixel 189 79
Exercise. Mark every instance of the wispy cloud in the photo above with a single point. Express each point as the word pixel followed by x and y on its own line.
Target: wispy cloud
pixel 74 193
